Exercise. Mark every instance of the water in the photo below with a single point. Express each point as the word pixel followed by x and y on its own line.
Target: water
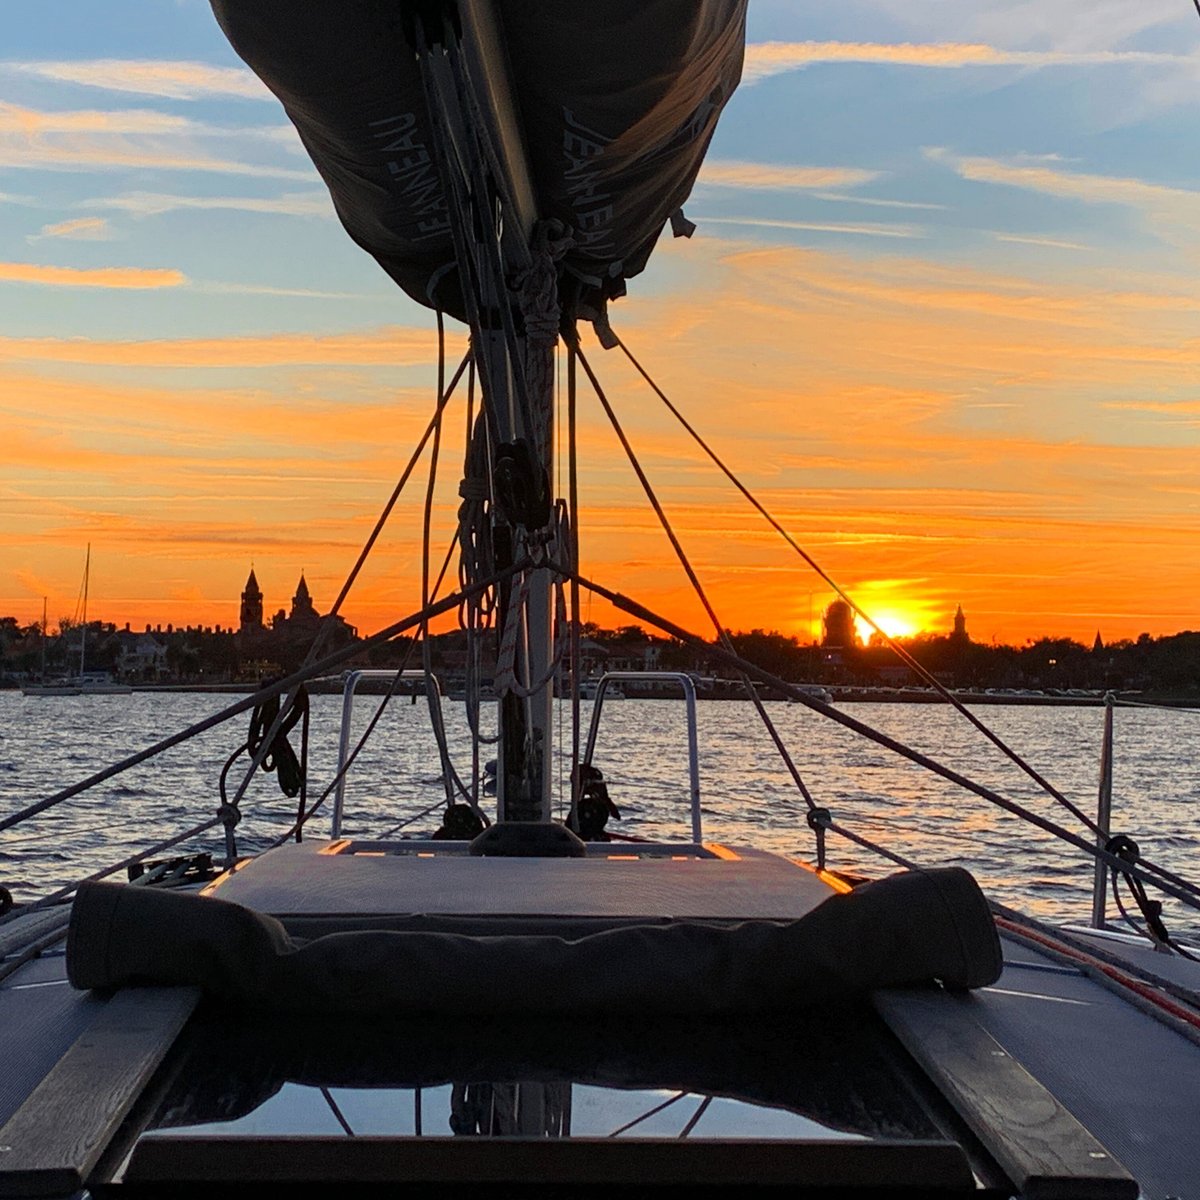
pixel 747 796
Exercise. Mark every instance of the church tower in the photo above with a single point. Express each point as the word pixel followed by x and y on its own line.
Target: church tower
pixel 303 609
pixel 252 606
pixel 960 627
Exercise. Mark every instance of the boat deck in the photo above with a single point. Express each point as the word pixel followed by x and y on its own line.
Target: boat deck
pixel 615 883
pixel 1132 1080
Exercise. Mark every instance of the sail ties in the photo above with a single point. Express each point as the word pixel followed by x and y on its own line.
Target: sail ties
pixel 537 285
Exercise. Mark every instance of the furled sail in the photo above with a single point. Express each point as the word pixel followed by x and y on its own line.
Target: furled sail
pixel 616 101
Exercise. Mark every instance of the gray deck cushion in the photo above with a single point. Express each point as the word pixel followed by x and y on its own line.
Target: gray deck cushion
pixel 909 928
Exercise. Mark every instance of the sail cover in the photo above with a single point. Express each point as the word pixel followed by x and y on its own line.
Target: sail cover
pixel 908 928
pixel 616 100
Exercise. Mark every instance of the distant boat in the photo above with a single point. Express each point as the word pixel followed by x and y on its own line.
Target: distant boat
pixel 589 687
pixel 51 688
pixel 104 685
pixel 44 686
pixel 94 683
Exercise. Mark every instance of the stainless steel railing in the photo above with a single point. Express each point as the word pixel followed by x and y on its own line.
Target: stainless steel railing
pixel 688 685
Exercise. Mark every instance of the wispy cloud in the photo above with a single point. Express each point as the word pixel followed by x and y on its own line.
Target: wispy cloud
pixel 778 177
pixel 876 202
pixel 1175 204
pixel 153 204
pixel 764 59
pixel 175 80
pixel 262 289
pixel 853 228
pixel 1052 243
pixel 77 229
pixel 394 346
pixel 140 139
pixel 94 277
pixel 35 122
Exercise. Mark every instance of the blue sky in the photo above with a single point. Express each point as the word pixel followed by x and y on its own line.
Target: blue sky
pixel 966 232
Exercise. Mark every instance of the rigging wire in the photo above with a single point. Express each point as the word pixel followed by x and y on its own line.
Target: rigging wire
pixel 694 1119
pixel 911 662
pixel 651 1112
pixel 303 675
pixel 337 1112
pixel 376 717
pixel 326 628
pixel 816 825
pixel 573 552
pixel 387 833
pixel 559 740
pixel 1180 889
pixel 449 775
pixel 157 848
pixel 694 579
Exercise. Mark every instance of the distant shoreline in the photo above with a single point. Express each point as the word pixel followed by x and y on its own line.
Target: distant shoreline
pixel 856 695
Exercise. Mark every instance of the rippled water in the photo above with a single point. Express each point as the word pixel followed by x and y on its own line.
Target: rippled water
pixel 46 743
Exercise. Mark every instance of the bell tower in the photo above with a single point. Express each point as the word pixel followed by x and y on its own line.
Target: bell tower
pixel 960 627
pixel 303 608
pixel 252 606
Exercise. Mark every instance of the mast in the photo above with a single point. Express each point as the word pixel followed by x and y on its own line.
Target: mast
pixel 44 602
pixel 485 153
pixel 486 175
pixel 87 569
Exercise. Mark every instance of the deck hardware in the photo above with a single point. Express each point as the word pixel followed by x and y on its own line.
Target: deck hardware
pixel 350 684
pixel 688 685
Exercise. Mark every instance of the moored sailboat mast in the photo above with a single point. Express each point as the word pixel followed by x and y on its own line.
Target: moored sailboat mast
pixel 87 571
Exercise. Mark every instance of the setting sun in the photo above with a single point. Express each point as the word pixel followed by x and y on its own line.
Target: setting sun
pixel 894 622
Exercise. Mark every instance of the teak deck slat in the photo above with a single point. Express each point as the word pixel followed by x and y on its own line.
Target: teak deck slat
pixel 1044 1150
pixel 53 1140
pixel 206 1163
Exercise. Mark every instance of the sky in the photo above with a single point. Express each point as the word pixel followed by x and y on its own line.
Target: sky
pixel 940 314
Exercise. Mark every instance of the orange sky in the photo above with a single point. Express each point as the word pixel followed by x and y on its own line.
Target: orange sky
pixel 957 353
pixel 893 414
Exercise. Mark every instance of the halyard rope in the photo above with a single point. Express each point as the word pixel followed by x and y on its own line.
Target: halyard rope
pixel 693 578
pixel 911 662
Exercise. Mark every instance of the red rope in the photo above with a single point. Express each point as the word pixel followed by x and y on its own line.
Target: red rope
pixel 1144 990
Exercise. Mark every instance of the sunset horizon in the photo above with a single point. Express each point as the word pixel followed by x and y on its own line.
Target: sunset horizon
pixel 953 352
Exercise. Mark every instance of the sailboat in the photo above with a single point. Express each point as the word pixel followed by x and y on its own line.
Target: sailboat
pixel 83 683
pixel 43 686
pixel 97 683
pixel 518 1002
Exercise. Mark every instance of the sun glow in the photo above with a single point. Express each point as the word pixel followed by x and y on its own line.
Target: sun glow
pixel 894 622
